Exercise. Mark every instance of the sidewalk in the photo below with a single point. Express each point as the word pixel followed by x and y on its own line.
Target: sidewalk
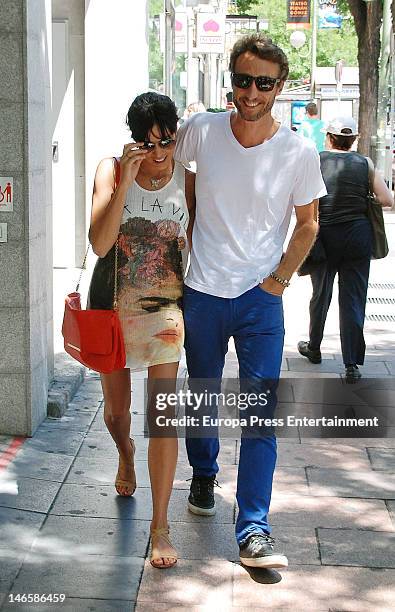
pixel 64 530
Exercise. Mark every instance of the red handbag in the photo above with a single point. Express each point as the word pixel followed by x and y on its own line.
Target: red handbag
pixel 94 337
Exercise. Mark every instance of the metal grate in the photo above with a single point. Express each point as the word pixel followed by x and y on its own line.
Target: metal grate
pixel 381 300
pixel 381 285
pixel 380 317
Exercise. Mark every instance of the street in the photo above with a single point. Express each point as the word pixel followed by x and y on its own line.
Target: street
pixel 64 530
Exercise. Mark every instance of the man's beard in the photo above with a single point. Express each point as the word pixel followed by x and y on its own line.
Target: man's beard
pixel 261 113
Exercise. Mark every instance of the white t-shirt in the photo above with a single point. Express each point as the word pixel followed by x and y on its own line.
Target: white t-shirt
pixel 244 201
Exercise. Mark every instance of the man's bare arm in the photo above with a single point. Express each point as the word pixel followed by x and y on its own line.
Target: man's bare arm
pixel 302 239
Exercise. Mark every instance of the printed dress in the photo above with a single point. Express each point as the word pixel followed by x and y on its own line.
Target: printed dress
pixel 151 261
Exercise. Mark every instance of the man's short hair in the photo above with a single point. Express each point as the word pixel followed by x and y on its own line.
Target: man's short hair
pixel 264 48
pixel 311 108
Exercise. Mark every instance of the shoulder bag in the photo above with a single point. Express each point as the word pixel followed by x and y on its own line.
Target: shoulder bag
pixel 376 218
pixel 94 337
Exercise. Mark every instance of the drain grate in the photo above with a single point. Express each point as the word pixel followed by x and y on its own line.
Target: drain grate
pixel 380 317
pixel 380 300
pixel 381 285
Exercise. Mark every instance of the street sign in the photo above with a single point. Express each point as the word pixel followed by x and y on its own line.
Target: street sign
pixel 210 33
pixel 298 14
pixel 181 32
pixel 6 194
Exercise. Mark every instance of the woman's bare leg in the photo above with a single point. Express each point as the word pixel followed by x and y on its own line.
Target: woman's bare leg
pixel 162 458
pixel 117 399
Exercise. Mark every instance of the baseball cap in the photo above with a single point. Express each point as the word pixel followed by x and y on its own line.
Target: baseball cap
pixel 337 125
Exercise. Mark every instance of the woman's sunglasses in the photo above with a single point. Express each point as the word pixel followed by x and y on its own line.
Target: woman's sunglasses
pixel 164 143
pixel 262 83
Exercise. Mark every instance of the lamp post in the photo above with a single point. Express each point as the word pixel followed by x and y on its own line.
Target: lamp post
pixel 169 47
pixel 314 15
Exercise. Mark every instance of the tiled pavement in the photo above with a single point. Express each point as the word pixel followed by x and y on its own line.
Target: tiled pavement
pixel 64 530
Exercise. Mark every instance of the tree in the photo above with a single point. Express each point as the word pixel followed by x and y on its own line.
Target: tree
pixel 367 18
pixel 332 45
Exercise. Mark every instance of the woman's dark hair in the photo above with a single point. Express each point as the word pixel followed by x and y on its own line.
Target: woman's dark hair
pixel 264 48
pixel 148 109
pixel 343 143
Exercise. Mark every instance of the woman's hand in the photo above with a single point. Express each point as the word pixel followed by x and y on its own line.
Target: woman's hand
pixel 130 162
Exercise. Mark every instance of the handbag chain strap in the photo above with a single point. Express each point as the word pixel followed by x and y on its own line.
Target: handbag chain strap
pixel 83 267
pixel 115 302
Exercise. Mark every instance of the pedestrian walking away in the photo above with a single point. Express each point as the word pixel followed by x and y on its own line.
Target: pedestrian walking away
pixel 251 173
pixel 139 208
pixel 311 127
pixel 346 238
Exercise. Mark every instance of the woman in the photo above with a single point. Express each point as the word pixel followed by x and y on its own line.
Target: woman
pixel 345 233
pixel 139 203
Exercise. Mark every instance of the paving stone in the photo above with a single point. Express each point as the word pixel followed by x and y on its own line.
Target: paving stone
pixel 5 441
pixel 101 445
pixel 382 459
pixel 299 364
pixel 308 376
pixel 102 501
pixel 82 576
pixel 137 427
pixel 9 566
pixel 18 528
pixel 357 548
pixel 291 481
pixel 201 541
pixel 390 366
pixel 190 583
pixel 343 483
pixel 379 442
pixel 326 392
pixel 31 463
pixel 77 536
pixel 312 587
pixel 341 456
pixel 336 512
pixel 76 421
pixel 55 441
pixel 27 493
pixel 391 509
pixel 74 604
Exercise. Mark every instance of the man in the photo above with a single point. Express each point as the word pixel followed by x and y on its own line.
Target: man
pixel 312 127
pixel 251 172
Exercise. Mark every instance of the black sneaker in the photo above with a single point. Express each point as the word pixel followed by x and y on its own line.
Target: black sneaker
pixel 201 498
pixel 352 374
pixel 306 351
pixel 257 551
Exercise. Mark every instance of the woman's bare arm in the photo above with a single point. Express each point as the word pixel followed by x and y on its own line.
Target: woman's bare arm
pixel 108 202
pixel 381 191
pixel 190 197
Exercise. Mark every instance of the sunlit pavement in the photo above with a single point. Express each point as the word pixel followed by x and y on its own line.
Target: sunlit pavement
pixel 63 529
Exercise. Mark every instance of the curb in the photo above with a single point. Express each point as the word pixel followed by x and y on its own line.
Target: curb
pixel 68 377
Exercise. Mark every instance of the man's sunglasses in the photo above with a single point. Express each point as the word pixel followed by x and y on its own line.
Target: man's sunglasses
pixel 262 83
pixel 164 143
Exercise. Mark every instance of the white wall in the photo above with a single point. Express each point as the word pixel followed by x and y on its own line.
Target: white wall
pixel 116 70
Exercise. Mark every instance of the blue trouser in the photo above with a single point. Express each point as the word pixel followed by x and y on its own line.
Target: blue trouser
pixel 255 320
pixel 348 247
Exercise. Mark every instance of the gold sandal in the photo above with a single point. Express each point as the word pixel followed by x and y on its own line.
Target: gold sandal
pixel 130 485
pixel 161 532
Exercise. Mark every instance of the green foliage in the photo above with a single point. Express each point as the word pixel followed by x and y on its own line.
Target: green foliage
pixel 332 45
pixel 155 7
pixel 244 6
